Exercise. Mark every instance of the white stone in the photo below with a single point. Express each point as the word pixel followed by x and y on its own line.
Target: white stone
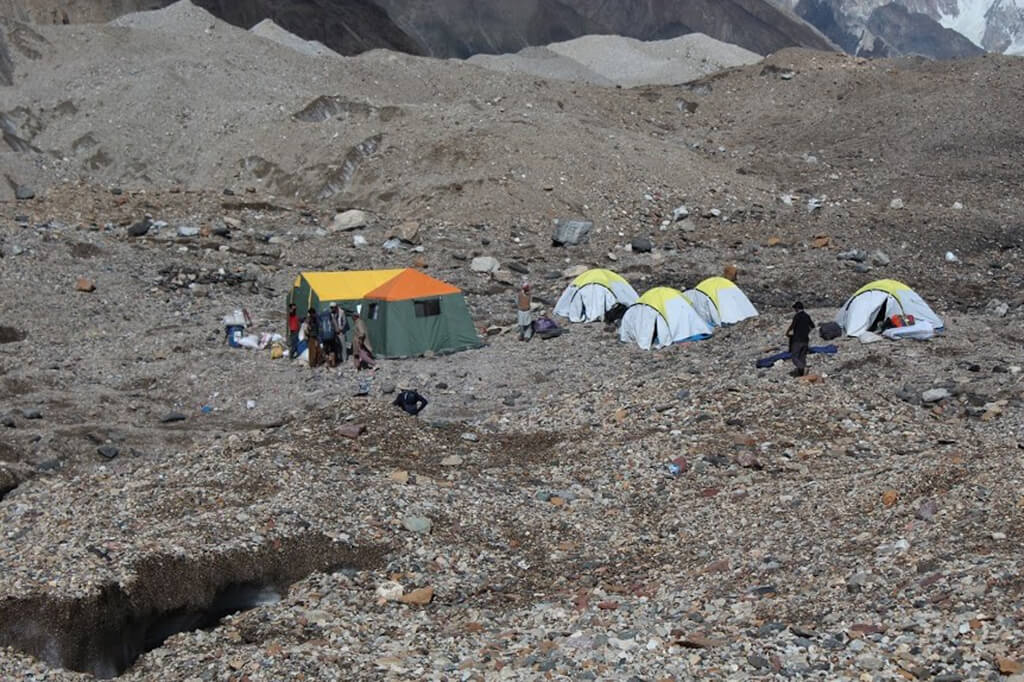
pixel 484 264
pixel 348 220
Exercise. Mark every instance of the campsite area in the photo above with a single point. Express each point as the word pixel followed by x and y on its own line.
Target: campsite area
pixel 568 508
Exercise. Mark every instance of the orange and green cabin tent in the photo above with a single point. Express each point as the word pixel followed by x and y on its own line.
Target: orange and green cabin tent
pixel 407 312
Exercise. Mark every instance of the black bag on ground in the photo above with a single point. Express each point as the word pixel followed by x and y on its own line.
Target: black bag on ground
pixel 830 330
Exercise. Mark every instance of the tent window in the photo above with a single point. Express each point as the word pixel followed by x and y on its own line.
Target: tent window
pixel 428 308
pixel 374 312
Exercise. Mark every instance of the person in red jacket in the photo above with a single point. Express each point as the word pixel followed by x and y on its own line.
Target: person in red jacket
pixel 293 331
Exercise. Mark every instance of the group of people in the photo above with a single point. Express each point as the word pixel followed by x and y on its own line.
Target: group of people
pixel 325 334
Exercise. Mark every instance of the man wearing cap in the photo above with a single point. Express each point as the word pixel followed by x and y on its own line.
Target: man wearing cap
pixel 799 334
pixel 524 302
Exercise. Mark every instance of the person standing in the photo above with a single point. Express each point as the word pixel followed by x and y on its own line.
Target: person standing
pixel 293 331
pixel 799 334
pixel 362 349
pixel 524 303
pixel 312 337
pixel 340 325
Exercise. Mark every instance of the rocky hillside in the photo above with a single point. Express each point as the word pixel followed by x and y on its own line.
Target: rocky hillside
pixel 461 28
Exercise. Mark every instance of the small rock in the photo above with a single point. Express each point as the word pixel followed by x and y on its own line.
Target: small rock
pixel 484 264
pixel 855 255
pixel 351 431
pixel 108 451
pixel 408 231
pixel 172 417
pixel 699 641
pixel 869 662
pixel 641 245
pixel 880 258
pixel 140 228
pixel 927 511
pixel 85 284
pixel 471 437
pixel 31 413
pixel 419 597
pixel 1009 666
pixel 518 267
pixel 400 476
pixel 758 662
pixel 934 395
pixel 417 524
pixel 451 461
pixel 348 220
pixel 570 232
pixel 389 591
pixel 387 388
pixel 24 192
pixel 679 213
pixel 748 461
pixel 896 204
pixel 359 240
pixel 188 231
pixel 8 421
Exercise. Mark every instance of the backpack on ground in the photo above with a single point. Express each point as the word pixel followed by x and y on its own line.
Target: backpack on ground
pixel 326 326
pixel 830 330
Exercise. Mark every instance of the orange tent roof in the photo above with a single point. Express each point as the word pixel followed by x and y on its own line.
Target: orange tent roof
pixel 411 283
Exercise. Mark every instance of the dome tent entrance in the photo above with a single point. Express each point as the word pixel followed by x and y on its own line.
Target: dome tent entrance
pixel 873 303
pixel 661 317
pixel 594 293
pixel 719 301
pixel 406 311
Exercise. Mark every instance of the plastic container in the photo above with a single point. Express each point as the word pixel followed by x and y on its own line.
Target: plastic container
pixel 234 332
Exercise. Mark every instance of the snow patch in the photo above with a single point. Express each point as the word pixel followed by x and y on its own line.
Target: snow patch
pixel 970 20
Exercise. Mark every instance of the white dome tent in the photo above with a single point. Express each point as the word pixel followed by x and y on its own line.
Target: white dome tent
pixel 719 301
pixel 592 294
pixel 873 303
pixel 661 317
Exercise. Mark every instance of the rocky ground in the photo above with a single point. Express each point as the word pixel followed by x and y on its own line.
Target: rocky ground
pixel 862 523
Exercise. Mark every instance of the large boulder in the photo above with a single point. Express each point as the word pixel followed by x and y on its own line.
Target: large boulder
pixel 484 264
pixel 571 231
pixel 352 219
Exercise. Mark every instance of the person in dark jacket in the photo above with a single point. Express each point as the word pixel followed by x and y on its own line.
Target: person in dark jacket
pixel 410 401
pixel 799 334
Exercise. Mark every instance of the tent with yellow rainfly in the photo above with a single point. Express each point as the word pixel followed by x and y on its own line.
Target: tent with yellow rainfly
pixel 719 301
pixel 881 300
pixel 406 312
pixel 592 294
pixel 661 317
